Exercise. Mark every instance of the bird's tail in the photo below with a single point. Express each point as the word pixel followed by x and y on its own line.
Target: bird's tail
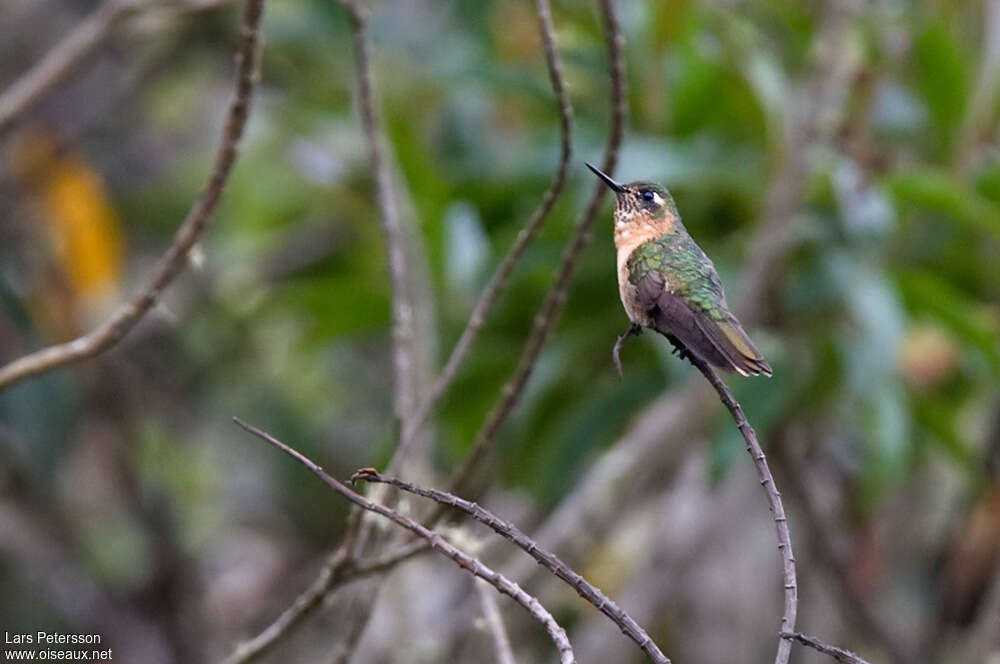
pixel 733 344
pixel 719 340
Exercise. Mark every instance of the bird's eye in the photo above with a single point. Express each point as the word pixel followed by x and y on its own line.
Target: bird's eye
pixel 647 195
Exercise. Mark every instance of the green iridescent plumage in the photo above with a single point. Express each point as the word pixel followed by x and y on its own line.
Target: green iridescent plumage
pixel 688 272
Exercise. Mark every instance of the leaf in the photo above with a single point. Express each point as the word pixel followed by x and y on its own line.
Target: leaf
pixel 939 192
pixel 942 77
pixel 82 220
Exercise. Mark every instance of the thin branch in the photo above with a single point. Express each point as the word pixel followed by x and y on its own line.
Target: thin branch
pixel 491 612
pixel 304 604
pixel 387 561
pixel 340 568
pixel 311 598
pixel 555 299
pixel 839 654
pixel 75 50
pixel 773 501
pixel 174 259
pixel 524 239
pixel 403 333
pixel 60 61
pixel 399 238
pixel 550 561
pixel 437 543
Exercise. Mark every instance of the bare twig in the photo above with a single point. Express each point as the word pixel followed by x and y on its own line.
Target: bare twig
pixel 311 598
pixel 356 537
pixel 399 238
pixel 773 501
pixel 174 259
pixel 339 569
pixel 437 543
pixel 491 612
pixel 839 654
pixel 387 561
pixel 301 608
pixel 524 239
pixel 555 299
pixel 403 333
pixel 74 50
pixel 509 531
pixel 60 61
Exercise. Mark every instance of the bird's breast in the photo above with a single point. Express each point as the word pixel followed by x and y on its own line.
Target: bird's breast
pixel 630 294
pixel 630 298
pixel 628 238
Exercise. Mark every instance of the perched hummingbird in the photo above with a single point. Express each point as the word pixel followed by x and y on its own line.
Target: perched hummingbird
pixel 667 283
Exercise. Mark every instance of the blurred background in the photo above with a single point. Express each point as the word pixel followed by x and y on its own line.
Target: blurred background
pixel 838 161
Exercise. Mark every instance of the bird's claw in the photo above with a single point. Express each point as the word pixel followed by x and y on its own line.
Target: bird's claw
pixel 680 350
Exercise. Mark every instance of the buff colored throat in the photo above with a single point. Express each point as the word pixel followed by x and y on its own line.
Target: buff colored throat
pixel 633 229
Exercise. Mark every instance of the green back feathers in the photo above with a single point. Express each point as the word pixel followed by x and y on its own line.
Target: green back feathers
pixel 686 269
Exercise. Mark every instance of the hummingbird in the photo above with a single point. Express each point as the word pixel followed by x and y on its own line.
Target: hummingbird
pixel 669 285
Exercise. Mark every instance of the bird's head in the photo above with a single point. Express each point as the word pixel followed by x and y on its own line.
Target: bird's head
pixel 640 203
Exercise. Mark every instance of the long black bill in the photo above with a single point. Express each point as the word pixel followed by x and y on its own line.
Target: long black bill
pixel 615 187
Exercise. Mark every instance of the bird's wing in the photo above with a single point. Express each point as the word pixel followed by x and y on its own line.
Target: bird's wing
pixel 716 335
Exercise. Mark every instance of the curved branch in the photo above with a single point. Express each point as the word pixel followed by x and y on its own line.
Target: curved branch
pixel 491 612
pixel 403 333
pixel 773 501
pixel 328 580
pixel 338 564
pixel 524 239
pixel 60 61
pixel 555 299
pixel 465 561
pixel 125 317
pixel 548 560
pixel 74 50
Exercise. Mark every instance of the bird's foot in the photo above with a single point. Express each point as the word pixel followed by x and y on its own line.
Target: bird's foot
pixel 680 350
pixel 632 331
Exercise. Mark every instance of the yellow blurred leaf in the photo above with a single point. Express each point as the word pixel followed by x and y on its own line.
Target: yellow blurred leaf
pixel 83 224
